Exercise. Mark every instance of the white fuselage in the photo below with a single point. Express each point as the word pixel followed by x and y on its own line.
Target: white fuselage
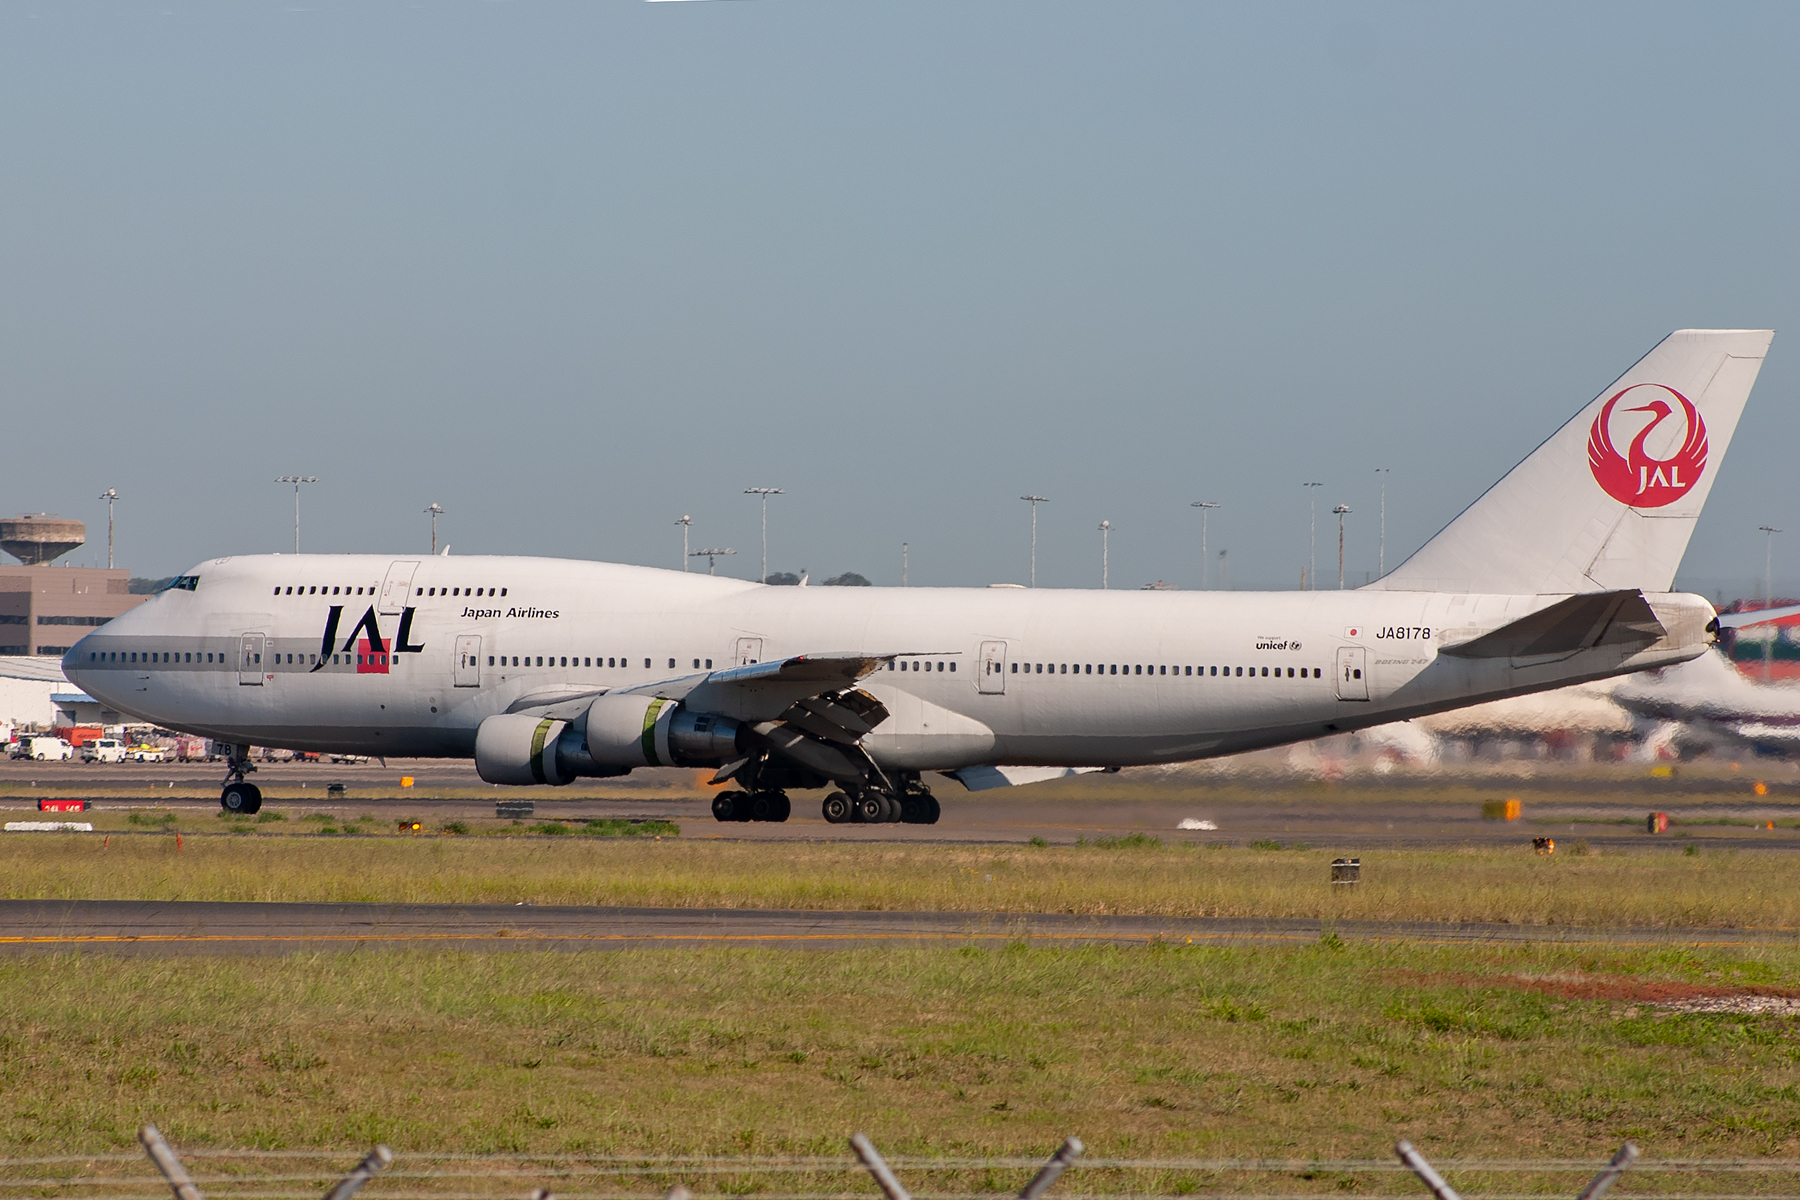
pixel 422 650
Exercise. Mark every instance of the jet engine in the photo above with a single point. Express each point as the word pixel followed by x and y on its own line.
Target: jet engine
pixel 614 734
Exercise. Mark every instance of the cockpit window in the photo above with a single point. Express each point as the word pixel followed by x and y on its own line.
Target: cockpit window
pixel 186 583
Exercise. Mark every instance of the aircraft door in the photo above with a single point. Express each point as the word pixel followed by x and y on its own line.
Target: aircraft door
pixel 396 589
pixel 993 669
pixel 1352 673
pixel 468 660
pixel 749 650
pixel 250 656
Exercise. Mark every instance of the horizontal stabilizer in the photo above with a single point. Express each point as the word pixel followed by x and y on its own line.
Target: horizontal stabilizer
pixel 1739 620
pixel 1568 626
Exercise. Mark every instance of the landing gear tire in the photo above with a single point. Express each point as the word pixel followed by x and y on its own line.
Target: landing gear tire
pixel 837 809
pixel 871 809
pixel 724 806
pixel 770 806
pixel 920 808
pixel 241 799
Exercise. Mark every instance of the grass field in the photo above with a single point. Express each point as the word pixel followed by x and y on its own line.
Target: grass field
pixel 1661 887
pixel 1320 1051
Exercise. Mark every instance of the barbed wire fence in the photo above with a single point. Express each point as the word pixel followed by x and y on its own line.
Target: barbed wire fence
pixel 229 1174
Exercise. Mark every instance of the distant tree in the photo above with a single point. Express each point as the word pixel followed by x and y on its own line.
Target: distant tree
pixel 848 579
pixel 783 579
pixel 148 587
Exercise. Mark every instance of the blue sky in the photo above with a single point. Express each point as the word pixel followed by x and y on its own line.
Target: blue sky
pixel 575 269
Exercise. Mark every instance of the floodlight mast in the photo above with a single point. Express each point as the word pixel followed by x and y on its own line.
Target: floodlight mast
pixel 685 522
pixel 1769 532
pixel 1342 511
pixel 436 510
pixel 109 495
pixel 297 480
pixel 1105 532
pixel 1205 507
pixel 1381 554
pixel 763 493
pixel 1034 501
pixel 1312 536
pixel 710 555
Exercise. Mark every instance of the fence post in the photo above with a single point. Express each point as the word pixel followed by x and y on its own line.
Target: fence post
pixel 1598 1186
pixel 1413 1159
pixel 371 1165
pixel 875 1164
pixel 158 1148
pixel 1052 1171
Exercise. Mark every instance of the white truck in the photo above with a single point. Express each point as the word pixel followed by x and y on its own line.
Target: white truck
pixel 106 750
pixel 41 748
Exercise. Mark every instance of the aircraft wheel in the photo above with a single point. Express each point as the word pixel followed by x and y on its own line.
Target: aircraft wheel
pixel 932 810
pixel 836 808
pixel 769 806
pixel 724 806
pixel 784 808
pixel 871 808
pixel 240 798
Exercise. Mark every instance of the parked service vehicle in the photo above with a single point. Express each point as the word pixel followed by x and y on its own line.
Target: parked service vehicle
pixel 144 752
pixel 106 750
pixel 45 749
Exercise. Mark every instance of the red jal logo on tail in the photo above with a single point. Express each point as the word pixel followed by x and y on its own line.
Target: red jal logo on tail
pixel 1635 478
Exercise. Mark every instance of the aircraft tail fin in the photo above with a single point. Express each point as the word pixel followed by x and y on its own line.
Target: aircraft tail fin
pixel 1610 500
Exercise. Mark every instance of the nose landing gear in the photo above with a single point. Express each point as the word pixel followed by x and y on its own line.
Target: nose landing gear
pixel 239 797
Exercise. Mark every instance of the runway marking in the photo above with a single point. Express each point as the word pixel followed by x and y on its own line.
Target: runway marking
pixel 1189 939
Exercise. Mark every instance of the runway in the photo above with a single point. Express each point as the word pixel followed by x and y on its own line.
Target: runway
pixel 190 927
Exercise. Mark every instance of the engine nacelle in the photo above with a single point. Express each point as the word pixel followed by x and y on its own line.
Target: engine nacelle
pixel 629 730
pixel 615 734
pixel 519 749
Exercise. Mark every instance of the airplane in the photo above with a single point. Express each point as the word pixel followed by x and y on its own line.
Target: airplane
pixel 547 670
pixel 1709 701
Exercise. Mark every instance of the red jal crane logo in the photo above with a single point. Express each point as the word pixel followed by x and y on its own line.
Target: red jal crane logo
pixel 1635 478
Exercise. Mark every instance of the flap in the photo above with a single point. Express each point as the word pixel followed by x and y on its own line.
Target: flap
pixel 1572 624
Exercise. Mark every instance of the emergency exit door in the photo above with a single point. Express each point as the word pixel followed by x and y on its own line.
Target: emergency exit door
pixel 993 669
pixel 468 660
pixel 1352 673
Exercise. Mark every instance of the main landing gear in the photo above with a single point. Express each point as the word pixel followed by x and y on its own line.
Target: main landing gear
pixel 911 805
pixel 239 797
pixel 762 805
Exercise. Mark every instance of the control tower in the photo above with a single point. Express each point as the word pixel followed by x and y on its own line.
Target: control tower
pixel 39 540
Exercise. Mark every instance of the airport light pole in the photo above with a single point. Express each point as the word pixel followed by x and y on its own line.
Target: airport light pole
pixel 903 550
pixel 710 556
pixel 1342 511
pixel 297 480
pixel 763 494
pixel 1381 554
pixel 1105 532
pixel 685 522
pixel 1312 527
pixel 1205 507
pixel 1034 501
pixel 109 495
pixel 1769 532
pixel 436 510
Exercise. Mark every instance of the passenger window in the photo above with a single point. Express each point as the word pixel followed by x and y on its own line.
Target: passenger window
pixel 1162 670
pixel 709 664
pixel 278 591
pixel 490 660
pixel 953 668
pixel 290 591
pixel 1015 668
pixel 503 592
pixel 609 662
pixel 646 664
